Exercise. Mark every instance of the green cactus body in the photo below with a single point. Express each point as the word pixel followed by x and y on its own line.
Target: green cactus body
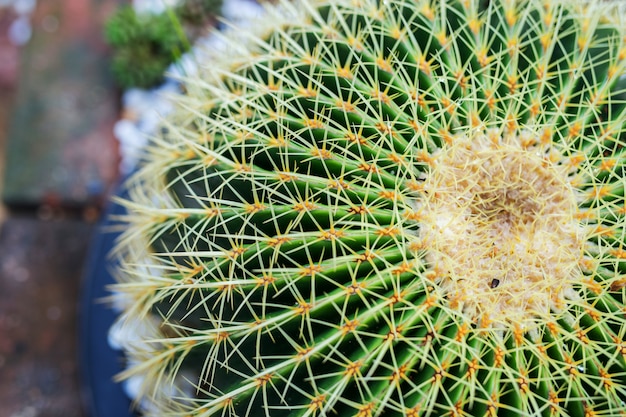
pixel 401 208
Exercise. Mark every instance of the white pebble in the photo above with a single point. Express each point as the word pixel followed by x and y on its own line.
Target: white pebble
pixel 20 30
pixel 241 10
pixel 153 6
pixel 24 7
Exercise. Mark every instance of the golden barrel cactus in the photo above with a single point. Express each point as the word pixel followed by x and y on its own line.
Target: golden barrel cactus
pixel 388 208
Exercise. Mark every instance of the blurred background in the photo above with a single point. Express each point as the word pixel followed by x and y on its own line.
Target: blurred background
pixel 81 85
pixel 59 159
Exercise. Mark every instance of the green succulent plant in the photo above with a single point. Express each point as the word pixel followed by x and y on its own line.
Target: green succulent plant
pixel 397 208
pixel 144 46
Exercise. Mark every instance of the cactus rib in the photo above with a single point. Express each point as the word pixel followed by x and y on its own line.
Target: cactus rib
pixel 396 208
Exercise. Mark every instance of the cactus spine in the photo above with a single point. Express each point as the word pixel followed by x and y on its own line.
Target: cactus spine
pixel 398 208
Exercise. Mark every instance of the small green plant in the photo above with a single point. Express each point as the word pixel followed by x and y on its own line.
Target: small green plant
pixel 399 208
pixel 144 46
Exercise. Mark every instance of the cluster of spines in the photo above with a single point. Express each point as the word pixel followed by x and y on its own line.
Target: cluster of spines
pixel 275 231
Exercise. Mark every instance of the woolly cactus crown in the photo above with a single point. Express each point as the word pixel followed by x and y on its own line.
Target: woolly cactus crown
pixel 399 208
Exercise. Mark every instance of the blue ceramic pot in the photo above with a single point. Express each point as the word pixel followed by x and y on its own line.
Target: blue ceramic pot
pixel 99 362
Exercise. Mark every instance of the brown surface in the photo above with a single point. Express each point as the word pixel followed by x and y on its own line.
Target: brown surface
pixel 40 272
pixel 42 252
pixel 60 146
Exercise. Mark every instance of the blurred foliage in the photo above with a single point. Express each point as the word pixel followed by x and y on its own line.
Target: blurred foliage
pixel 144 45
pixel 198 12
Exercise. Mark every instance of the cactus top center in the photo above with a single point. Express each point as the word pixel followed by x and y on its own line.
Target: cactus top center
pixel 499 222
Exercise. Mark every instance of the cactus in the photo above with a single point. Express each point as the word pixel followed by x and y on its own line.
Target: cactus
pixel 397 208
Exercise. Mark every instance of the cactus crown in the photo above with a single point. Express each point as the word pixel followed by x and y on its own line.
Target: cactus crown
pixel 398 208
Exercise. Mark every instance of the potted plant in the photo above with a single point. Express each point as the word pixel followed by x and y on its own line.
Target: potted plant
pixel 387 208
